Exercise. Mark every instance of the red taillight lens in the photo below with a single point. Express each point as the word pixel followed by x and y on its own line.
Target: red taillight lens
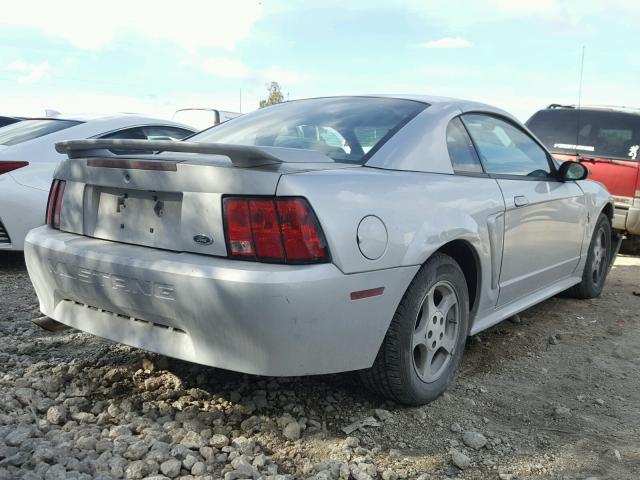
pixel 266 230
pixel 283 230
pixel 302 235
pixel 8 166
pixel 54 204
pixel 238 228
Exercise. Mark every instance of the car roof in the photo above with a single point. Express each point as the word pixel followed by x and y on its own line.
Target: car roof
pixel 451 102
pixel 429 99
pixel 594 108
pixel 120 118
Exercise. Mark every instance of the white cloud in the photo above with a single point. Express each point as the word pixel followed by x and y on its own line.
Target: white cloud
pixel 73 102
pixel 525 8
pixel 225 67
pixel 281 75
pixel 446 42
pixel 235 69
pixel 190 25
pixel 32 72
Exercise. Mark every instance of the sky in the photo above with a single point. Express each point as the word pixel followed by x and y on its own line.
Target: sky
pixel 154 57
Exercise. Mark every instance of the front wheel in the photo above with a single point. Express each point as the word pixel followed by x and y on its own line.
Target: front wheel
pixel 598 258
pixel 422 349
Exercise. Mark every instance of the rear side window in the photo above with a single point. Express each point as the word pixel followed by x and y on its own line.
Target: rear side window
pixel 505 149
pixel 598 133
pixel 461 151
pixel 135 133
pixel 29 129
pixel 150 132
pixel 161 132
pixel 343 128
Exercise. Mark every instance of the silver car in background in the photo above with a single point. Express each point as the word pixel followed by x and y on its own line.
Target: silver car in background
pixel 321 235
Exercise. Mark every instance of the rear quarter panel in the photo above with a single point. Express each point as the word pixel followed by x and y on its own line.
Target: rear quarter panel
pixel 421 212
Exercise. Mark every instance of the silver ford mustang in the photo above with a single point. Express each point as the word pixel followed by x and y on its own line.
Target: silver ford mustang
pixel 318 236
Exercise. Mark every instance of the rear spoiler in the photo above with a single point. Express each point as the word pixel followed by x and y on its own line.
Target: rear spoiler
pixel 240 155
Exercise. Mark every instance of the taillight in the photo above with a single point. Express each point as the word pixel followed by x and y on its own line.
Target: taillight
pixel 54 204
pixel 280 230
pixel 8 166
pixel 301 232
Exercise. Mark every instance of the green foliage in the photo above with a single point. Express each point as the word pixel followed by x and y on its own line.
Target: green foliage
pixel 275 95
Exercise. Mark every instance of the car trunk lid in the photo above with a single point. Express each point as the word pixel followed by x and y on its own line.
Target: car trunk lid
pixel 171 201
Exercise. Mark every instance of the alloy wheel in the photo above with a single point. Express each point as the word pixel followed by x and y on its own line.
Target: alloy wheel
pixel 599 251
pixel 436 331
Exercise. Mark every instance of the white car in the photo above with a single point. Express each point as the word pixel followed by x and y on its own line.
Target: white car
pixel 28 159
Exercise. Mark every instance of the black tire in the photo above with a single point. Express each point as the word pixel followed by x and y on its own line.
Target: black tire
pixel 394 374
pixel 592 283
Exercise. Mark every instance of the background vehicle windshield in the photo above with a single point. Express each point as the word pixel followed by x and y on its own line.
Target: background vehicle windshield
pixel 29 129
pixel 343 128
pixel 589 132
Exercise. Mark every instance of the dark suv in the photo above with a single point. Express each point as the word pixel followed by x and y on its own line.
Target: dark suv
pixel 607 141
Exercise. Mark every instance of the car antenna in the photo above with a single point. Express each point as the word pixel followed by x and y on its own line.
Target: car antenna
pixel 579 100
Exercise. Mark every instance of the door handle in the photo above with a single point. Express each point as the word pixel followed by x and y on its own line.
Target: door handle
pixel 520 201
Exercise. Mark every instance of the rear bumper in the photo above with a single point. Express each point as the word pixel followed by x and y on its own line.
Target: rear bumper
pixel 627 219
pixel 242 316
pixel 633 220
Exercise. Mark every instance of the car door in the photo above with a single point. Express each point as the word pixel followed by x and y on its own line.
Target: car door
pixel 545 218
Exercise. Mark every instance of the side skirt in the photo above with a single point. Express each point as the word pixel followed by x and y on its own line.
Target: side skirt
pixel 511 309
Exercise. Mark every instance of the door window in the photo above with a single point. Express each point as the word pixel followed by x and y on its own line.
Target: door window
pixel 464 158
pixel 505 149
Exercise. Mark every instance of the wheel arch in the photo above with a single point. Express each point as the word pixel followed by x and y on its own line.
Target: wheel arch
pixel 608 210
pixel 465 254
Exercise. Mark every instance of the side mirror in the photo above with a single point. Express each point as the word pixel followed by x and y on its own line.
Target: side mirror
pixel 570 171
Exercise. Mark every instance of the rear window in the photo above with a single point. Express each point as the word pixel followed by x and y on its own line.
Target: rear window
pixel 589 132
pixel 29 129
pixel 343 128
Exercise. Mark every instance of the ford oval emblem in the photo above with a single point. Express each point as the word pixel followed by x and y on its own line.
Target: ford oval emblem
pixel 203 239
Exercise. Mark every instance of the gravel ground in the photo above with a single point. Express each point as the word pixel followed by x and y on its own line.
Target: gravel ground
pixel 553 393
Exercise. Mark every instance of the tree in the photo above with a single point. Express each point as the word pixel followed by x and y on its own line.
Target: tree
pixel 275 95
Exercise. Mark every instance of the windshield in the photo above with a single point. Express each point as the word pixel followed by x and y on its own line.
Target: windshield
pixel 592 133
pixel 343 128
pixel 29 129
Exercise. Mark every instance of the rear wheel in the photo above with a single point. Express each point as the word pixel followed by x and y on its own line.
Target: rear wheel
pixel 421 352
pixel 597 265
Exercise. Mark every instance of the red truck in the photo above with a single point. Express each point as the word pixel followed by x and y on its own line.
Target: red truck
pixel 607 140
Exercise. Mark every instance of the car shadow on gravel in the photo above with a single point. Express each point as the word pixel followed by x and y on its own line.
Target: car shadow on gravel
pixel 11 262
